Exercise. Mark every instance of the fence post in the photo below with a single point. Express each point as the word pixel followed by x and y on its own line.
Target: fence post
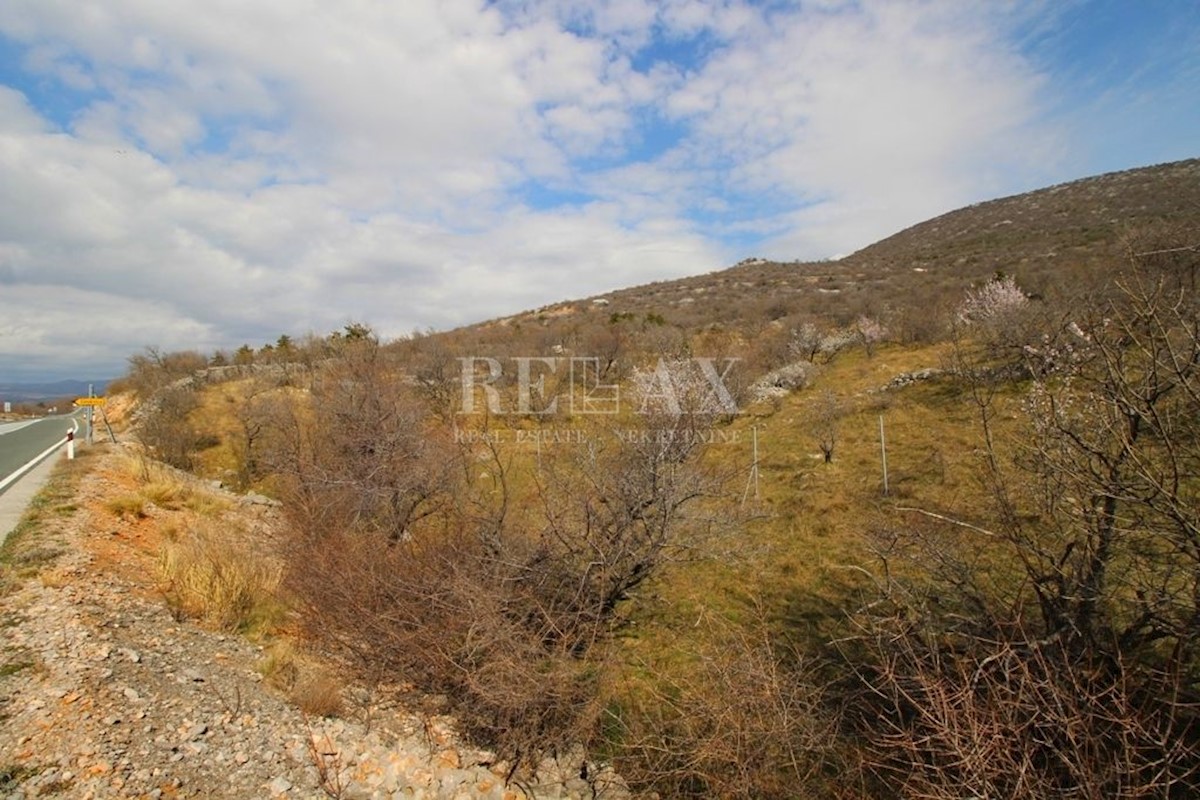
pixel 883 454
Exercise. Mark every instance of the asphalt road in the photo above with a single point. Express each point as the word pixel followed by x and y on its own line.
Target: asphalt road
pixel 21 442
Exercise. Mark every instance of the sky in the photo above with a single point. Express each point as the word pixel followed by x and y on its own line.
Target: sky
pixel 199 174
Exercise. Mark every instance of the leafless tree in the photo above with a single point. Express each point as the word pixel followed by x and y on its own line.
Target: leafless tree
pixel 361 454
pixel 805 341
pixel 413 555
pixel 166 429
pixel 1051 651
pixel 827 413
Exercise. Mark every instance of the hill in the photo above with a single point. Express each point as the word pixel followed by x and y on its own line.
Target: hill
pixel 958 558
pixel 1041 237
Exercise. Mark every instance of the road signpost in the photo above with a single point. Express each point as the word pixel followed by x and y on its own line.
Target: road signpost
pixel 90 403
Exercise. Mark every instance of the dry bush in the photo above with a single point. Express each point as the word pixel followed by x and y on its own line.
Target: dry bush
pixel 256 409
pixel 923 321
pixel 440 612
pixel 362 452
pixel 153 369
pixel 214 575
pixel 1054 651
pixel 397 568
pixel 503 610
pixel 166 430
pixel 745 717
pixel 1020 716
pixel 827 412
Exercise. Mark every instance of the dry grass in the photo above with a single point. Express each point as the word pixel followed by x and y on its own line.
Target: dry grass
pixel 318 693
pixel 164 493
pixel 807 553
pixel 127 506
pixel 311 687
pixel 165 488
pixel 213 575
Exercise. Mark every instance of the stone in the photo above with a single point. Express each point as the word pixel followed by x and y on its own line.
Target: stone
pixel 279 785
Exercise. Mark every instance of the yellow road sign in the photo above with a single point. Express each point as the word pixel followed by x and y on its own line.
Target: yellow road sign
pixel 90 401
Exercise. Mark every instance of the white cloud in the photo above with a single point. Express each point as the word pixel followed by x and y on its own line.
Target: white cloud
pixel 147 258
pixel 874 118
pixel 233 170
pixel 50 330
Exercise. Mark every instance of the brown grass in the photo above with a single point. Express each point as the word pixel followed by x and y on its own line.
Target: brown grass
pixel 213 575
pixel 310 686
pixel 127 506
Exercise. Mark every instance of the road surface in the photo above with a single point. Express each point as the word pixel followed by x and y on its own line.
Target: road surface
pixel 22 442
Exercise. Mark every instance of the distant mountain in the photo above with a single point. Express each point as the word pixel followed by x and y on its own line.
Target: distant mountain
pixel 54 390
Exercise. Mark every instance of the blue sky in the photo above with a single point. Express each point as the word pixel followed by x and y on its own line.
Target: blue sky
pixel 199 174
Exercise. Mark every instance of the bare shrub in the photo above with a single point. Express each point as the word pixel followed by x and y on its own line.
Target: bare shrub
pixel 502 610
pixel 1016 715
pixel 362 452
pixel 257 409
pixel 166 429
pixel 153 369
pixel 923 320
pixel 437 610
pixel 614 514
pixel 1054 651
pixel 436 372
pixel 828 411
pixel 747 717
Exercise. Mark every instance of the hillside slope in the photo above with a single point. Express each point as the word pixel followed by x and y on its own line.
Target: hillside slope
pixel 1049 233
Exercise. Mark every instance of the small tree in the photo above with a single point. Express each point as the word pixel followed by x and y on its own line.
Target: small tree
pixel 827 413
pixel 244 355
pixel 805 341
pixel 870 332
pixel 997 312
pixel 1054 651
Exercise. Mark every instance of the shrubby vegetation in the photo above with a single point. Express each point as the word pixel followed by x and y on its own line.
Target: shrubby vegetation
pixel 1017 618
